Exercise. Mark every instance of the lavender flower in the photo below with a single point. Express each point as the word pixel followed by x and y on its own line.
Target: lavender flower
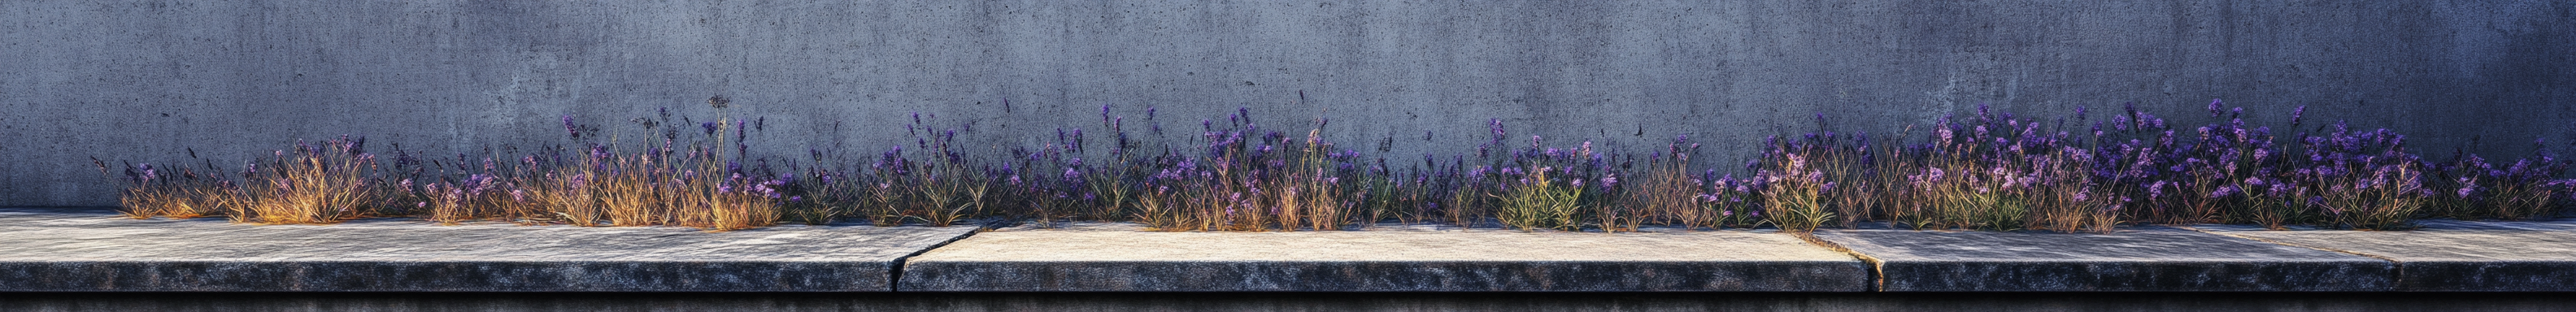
pixel 2297 115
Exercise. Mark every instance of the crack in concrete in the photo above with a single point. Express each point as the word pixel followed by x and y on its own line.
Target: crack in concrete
pixel 1877 268
pixel 894 271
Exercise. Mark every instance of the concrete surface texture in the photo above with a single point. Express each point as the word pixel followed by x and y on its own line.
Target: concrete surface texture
pixel 151 80
pixel 1109 258
pixel 1285 302
pixel 2451 255
pixel 2135 259
pixel 90 250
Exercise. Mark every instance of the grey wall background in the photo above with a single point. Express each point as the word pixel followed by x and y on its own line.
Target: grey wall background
pixel 146 80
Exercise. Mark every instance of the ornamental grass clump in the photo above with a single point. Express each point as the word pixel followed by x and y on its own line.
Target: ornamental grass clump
pixel 2366 180
pixel 312 184
pixel 1793 193
pixel 326 183
pixel 2469 188
pixel 189 193
pixel 1538 202
pixel 1997 172
pixel 1241 178
pixel 1667 192
pixel 1553 188
pixel 698 185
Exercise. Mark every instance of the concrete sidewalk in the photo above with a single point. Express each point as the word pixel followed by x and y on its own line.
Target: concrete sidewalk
pixel 94 250
pixel 1420 258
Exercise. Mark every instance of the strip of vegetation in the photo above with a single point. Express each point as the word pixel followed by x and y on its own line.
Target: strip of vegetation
pixel 1986 172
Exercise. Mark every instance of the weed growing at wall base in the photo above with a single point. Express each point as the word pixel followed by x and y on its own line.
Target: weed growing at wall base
pixel 1984 171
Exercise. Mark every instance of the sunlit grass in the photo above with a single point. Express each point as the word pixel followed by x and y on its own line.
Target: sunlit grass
pixel 1985 171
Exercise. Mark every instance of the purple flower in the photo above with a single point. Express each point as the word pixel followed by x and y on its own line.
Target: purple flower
pixel 569 127
pixel 2298 114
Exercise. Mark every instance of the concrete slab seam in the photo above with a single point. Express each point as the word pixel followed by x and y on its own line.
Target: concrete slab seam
pixel 894 271
pixel 1877 268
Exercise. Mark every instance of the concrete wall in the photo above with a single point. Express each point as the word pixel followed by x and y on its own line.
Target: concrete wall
pixel 147 80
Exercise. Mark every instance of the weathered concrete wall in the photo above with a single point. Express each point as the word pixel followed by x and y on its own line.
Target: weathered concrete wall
pixel 147 80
